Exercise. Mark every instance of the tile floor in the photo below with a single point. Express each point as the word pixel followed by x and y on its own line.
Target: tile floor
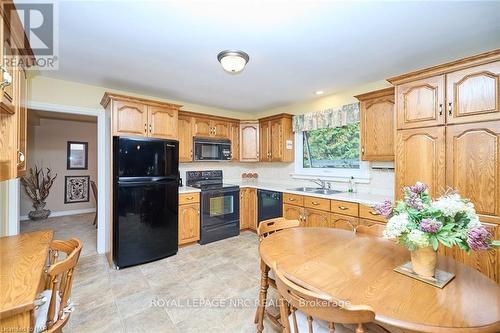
pixel 210 288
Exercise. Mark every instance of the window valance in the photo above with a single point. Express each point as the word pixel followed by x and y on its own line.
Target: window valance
pixel 345 115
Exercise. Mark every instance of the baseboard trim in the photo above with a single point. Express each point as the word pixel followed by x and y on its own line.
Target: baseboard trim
pixel 63 213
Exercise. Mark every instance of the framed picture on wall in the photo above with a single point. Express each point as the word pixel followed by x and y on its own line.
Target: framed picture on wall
pixel 76 189
pixel 77 156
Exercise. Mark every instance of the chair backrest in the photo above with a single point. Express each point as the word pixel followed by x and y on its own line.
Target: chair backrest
pixel 373 230
pixel 270 226
pixel 94 189
pixel 314 303
pixel 60 279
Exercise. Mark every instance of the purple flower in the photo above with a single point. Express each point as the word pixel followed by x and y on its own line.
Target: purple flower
pixel 478 238
pixel 430 225
pixel 413 200
pixel 384 208
pixel 418 188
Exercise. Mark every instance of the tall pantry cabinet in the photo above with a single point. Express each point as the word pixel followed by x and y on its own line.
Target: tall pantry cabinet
pixel 448 136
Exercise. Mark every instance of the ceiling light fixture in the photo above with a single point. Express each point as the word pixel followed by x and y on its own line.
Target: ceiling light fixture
pixel 319 92
pixel 233 61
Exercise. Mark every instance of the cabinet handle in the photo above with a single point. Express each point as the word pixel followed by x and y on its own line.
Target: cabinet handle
pixel 291 199
pixel 315 203
pixel 363 150
pixel 343 208
pixel 150 129
pixel 374 213
pixel 6 78
pixel 145 128
pixel 449 109
pixel 440 109
pixel 189 198
pixel 20 157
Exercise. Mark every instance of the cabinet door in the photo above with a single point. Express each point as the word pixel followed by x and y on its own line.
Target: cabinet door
pixel 421 103
pixel 244 208
pixel 162 122
pixel 202 127
pixel 473 165
pixel 234 136
pixel 377 129
pixel 291 212
pixel 7 71
pixel 420 156
pixel 189 223
pixel 220 129
pixel 473 94
pixel 344 222
pixel 317 218
pixel 185 138
pixel 22 121
pixel 129 118
pixel 265 144
pixel 277 140
pixel 249 142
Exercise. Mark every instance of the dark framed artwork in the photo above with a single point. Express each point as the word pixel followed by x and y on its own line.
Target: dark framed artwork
pixel 76 189
pixel 77 155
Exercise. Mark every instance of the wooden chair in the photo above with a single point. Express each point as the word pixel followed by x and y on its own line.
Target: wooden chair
pixel 94 191
pixel 53 308
pixel 264 229
pixel 376 230
pixel 304 309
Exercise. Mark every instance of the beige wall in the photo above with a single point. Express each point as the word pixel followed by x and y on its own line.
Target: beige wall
pixel 53 91
pixel 47 144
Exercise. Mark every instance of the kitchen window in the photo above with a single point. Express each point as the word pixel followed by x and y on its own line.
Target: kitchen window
pixel 330 152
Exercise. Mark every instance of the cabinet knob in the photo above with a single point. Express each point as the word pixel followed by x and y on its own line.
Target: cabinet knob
pixel 145 128
pixel 315 203
pixel 291 199
pixel 374 213
pixel 440 109
pixel 20 157
pixel 362 150
pixel 150 128
pixel 449 109
pixel 6 78
pixel 343 208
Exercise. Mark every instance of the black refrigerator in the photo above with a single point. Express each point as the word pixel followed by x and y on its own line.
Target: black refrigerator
pixel 145 200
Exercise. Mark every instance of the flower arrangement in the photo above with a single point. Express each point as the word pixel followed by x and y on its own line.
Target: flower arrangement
pixel 418 222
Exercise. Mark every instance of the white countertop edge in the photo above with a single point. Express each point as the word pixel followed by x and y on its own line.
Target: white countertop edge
pixel 188 189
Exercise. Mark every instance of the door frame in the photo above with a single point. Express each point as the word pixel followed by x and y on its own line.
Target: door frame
pixel 103 165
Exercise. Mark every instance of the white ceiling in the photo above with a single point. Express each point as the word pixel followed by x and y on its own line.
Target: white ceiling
pixel 168 48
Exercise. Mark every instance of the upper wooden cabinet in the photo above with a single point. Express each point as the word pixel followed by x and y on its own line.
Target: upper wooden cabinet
pixel 420 156
pixel 249 141
pixel 377 125
pixel 421 103
pixel 473 94
pixel 132 116
pixel 277 139
pixel 234 137
pixel 462 91
pixel 186 124
pixel 207 127
pixel 473 165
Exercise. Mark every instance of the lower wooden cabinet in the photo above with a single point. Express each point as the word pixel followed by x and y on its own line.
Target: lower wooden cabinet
pixel 189 219
pixel 316 218
pixel 292 212
pixel 248 208
pixel 345 222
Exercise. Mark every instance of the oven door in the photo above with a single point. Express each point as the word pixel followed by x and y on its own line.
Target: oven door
pixel 220 214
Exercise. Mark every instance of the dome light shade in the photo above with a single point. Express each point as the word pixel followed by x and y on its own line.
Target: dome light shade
pixel 233 61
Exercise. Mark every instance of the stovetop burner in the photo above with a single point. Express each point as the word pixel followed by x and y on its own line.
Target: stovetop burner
pixel 207 180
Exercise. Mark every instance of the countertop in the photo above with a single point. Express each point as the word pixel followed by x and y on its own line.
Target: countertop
pixel 188 189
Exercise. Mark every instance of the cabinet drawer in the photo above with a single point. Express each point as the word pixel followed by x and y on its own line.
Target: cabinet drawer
pixel 345 208
pixel 367 212
pixel 317 203
pixel 187 198
pixel 293 199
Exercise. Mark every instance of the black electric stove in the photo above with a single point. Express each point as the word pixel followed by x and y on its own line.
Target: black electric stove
pixel 220 205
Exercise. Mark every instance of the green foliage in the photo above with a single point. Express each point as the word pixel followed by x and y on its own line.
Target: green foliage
pixel 339 145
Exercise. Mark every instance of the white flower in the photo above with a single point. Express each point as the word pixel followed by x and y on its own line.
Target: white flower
pixel 396 226
pixel 451 205
pixel 419 238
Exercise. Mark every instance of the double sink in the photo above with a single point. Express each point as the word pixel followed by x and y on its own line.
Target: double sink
pixel 315 190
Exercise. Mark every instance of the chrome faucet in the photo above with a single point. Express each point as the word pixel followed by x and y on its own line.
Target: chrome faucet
pixel 323 183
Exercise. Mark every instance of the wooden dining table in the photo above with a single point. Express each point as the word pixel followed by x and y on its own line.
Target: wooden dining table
pixel 359 269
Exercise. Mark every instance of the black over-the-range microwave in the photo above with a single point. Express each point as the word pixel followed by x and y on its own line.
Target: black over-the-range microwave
pixel 211 150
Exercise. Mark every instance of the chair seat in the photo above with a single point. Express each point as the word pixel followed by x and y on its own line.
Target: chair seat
pixel 321 326
pixel 42 311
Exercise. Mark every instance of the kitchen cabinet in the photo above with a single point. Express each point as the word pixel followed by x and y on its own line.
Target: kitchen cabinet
pixel 368 213
pixel 207 127
pixel 7 69
pixel 234 136
pixel 292 212
pixel 22 121
pixel 140 117
pixel 277 138
pixel 316 218
pixel 421 103
pixel 344 207
pixel 420 156
pixel 249 141
pixel 377 128
pixel 473 165
pixel 345 222
pixel 185 124
pixel 189 218
pixel 248 208
pixel 473 94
